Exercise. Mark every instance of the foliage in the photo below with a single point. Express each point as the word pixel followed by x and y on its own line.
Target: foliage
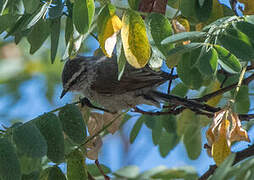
pixel 209 45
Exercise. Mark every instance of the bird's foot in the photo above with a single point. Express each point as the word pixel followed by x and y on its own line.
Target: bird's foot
pixel 86 102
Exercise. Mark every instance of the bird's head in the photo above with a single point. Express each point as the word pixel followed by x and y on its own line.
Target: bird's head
pixel 72 72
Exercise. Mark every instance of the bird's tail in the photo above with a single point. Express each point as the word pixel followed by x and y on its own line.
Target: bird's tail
pixel 189 103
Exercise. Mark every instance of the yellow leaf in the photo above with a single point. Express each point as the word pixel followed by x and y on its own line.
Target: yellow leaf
pixel 210 136
pixel 220 150
pixel 221 146
pixel 185 23
pixel 214 87
pixel 108 26
pixel 135 41
pixel 237 133
pixel 181 25
pixel 249 6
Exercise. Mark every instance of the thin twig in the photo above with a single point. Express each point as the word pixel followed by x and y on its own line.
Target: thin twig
pixel 170 81
pixel 205 98
pixel 94 36
pixel 100 169
pixel 239 82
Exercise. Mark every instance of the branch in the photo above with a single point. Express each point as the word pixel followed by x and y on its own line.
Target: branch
pixel 205 98
pixel 241 155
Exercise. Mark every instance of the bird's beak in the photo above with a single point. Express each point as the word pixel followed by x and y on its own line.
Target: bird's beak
pixel 63 93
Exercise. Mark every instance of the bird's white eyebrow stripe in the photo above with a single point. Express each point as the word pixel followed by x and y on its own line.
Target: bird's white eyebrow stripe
pixel 75 75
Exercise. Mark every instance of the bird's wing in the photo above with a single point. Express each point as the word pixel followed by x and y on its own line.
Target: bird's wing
pixel 132 79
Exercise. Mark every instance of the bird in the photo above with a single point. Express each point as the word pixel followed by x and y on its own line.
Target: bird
pixel 96 77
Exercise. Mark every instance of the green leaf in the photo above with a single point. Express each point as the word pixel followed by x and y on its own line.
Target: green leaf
pixel 224 168
pixel 51 128
pixel 9 164
pixel 180 90
pixel 243 172
pixel 184 36
pixel 135 130
pixel 57 10
pixel 246 28
pixel 94 171
pixel 187 8
pixel 76 167
pixel 208 62
pixel 167 142
pixel 3 4
pixel 183 49
pixel 157 130
pixel 15 7
pixel 228 61
pixel 121 59
pixel 38 35
pixel 83 12
pixel 147 174
pixel 35 17
pixel 201 3
pixel 203 9
pixel 31 5
pixel 134 4
pixel 55 33
pixel 73 123
pixel 52 173
pixel 250 19
pixel 21 34
pixel 32 176
pixel 7 21
pixel 184 120
pixel 18 25
pixel 55 173
pixel 187 173
pixel 29 164
pixel 68 29
pixel 188 126
pixel 127 172
pixel 188 73
pixel 192 140
pixel 242 101
pixel 169 123
pixel 149 121
pixel 158 28
pixel 238 44
pixel 29 140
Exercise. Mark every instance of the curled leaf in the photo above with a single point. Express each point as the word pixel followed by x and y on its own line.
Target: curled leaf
pixel 225 129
